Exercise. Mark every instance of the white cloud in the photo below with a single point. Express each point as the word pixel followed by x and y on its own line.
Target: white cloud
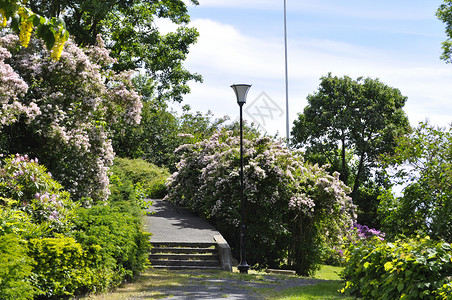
pixel 225 56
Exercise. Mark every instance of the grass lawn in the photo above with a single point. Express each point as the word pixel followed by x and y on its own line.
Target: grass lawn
pixel 327 289
pixel 155 284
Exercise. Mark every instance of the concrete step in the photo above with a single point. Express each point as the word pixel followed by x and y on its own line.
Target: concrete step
pixel 185 256
pixel 191 263
pixel 184 267
pixel 183 245
pixel 184 250
pixel 171 256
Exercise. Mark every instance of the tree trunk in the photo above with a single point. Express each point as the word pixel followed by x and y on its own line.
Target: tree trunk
pixel 305 248
pixel 358 175
pixel 344 173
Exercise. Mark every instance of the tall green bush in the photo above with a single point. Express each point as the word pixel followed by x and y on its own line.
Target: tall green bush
pixel 117 230
pixel 423 164
pixel 414 268
pixel 130 174
pixel 62 268
pixel 50 246
pixel 15 269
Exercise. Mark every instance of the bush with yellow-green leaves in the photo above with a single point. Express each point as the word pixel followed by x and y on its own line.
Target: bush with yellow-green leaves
pixel 409 268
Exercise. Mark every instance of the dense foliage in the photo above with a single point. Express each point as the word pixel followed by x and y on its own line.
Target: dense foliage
pixel 63 111
pixel 444 13
pixel 24 21
pixel 52 248
pixel 415 268
pixel 131 32
pixel 290 206
pixel 137 174
pixel 422 163
pixel 161 131
pixel 349 124
pixel 15 266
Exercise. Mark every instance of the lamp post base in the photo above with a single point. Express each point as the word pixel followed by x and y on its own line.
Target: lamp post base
pixel 243 267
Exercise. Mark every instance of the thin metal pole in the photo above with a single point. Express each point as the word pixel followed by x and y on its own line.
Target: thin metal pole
pixel 243 266
pixel 287 74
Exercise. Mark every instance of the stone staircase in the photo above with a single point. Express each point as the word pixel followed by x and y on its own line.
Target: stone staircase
pixel 185 255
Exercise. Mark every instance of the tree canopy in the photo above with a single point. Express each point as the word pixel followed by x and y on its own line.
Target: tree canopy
pixel 423 164
pixel 130 32
pixel 349 124
pixel 444 13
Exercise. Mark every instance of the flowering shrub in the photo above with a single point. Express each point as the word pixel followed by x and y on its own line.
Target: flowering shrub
pixel 334 255
pixel 415 268
pixel 26 185
pixel 365 232
pixel 50 246
pixel 289 204
pixel 62 111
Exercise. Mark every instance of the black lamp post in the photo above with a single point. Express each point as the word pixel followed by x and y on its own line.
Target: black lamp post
pixel 241 90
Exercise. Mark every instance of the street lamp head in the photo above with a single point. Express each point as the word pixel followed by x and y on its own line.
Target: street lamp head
pixel 241 90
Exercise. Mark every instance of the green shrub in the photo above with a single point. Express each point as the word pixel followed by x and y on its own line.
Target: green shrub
pixel 150 178
pixel 418 268
pixel 117 229
pixel 15 269
pixel 49 245
pixel 62 267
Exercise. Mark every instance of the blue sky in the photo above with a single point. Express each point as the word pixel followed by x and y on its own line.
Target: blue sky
pixel 398 42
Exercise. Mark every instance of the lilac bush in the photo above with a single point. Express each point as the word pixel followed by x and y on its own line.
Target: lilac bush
pixel 364 232
pixel 285 197
pixel 334 254
pixel 26 185
pixel 63 111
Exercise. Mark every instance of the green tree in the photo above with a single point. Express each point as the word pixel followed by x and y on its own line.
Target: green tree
pixel 349 124
pixel 423 164
pixel 131 34
pixel 444 13
pixel 161 132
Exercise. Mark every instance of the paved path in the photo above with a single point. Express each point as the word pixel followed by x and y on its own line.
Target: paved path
pixel 170 223
pixel 213 286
